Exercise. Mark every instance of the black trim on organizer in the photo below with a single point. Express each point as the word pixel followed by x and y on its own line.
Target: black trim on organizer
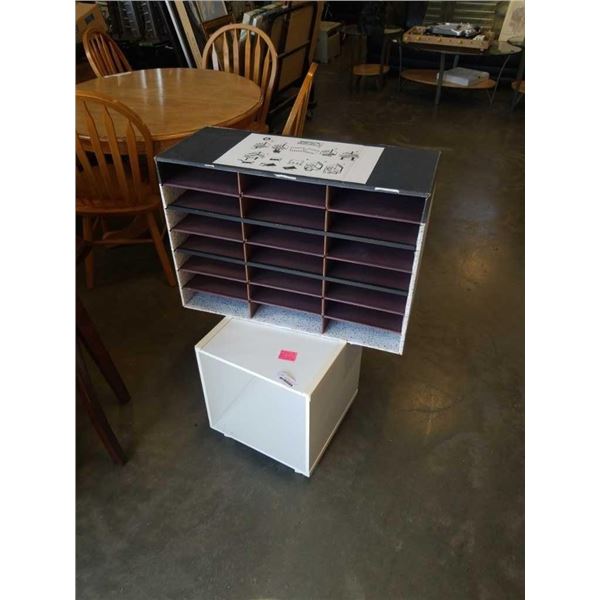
pixel 367 286
pixel 407 171
pixel 260 265
pixel 287 227
pixel 234 261
pixel 196 200
pixel 355 238
pixel 184 181
pixel 202 213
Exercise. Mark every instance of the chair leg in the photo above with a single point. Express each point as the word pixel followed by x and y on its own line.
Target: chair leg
pixel 88 236
pixel 86 394
pixel 87 333
pixel 160 250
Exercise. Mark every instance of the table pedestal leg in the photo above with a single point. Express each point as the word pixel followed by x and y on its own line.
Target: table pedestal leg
pixel 498 79
pixel 399 64
pixel 520 71
pixel 438 90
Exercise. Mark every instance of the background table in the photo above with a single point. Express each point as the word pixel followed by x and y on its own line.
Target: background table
pixel 174 103
pixel 429 76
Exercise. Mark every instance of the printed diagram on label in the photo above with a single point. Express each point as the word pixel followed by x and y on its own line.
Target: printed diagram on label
pixel 313 165
pixel 251 157
pixel 313 158
pixel 334 169
pixel 293 165
pixel 329 152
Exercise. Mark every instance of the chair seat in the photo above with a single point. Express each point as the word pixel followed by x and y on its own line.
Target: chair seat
pixel 518 85
pixel 370 70
pixel 89 202
pixel 85 206
pixel 258 127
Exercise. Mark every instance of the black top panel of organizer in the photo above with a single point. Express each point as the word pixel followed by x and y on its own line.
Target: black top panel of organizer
pixel 411 171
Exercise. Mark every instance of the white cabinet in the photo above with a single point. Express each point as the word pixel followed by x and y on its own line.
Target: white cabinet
pixel 242 364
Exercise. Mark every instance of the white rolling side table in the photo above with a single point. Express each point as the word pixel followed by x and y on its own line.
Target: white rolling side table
pixel 276 390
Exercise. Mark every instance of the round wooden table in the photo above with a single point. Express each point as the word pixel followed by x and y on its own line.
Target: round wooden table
pixel 174 103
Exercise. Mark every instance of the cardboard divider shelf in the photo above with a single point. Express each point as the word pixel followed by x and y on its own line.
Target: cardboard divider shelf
pixel 382 279
pixel 376 231
pixel 371 255
pixel 214 268
pixel 287 192
pixel 302 263
pixel 209 227
pixel 365 298
pixel 214 285
pixel 261 211
pixel 354 314
pixel 201 179
pixel 200 245
pixel 378 205
pixel 275 297
pixel 270 237
pixel 206 202
pixel 285 281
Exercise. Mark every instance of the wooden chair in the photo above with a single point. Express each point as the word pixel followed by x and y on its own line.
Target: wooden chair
pixel 254 58
pixel 103 54
pixel 116 177
pixel 294 125
pixel 378 71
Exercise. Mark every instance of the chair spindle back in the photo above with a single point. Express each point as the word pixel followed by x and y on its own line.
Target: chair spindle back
pixel 247 51
pixel 112 170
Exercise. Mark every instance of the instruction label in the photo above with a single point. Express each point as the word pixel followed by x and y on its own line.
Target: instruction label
pixel 338 161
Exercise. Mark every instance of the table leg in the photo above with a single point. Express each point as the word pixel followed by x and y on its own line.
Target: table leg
pixel 438 90
pixel 399 65
pixel 455 63
pixel 498 79
pixel 515 101
pixel 520 71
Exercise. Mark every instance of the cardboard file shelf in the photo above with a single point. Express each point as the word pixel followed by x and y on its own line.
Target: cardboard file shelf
pixel 321 256
pixel 246 400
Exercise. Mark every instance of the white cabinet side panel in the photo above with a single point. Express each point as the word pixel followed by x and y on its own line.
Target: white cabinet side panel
pixel 331 399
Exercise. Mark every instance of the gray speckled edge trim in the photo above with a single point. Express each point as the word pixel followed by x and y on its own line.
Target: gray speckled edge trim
pixel 363 335
pixel 218 304
pixel 291 319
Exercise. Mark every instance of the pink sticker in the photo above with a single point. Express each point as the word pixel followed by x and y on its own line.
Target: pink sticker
pixel 287 355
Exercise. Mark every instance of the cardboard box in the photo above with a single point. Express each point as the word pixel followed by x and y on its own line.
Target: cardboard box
pixel 87 15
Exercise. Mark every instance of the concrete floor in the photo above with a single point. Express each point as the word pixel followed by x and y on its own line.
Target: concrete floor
pixel 421 492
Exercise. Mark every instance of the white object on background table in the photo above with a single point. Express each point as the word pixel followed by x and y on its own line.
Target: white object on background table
pixel 338 161
pixel 463 76
pixel 240 366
